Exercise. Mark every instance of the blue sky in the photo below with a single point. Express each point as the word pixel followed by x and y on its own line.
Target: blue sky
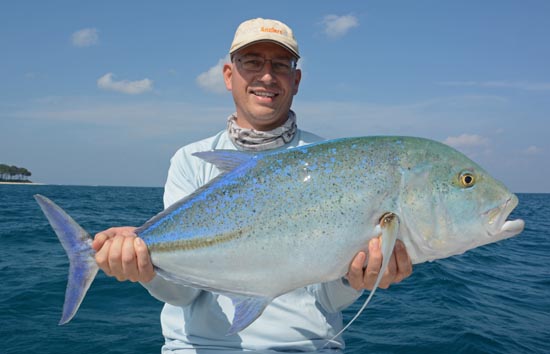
pixel 104 92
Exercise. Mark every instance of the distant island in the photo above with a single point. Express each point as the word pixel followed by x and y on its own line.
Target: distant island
pixel 14 174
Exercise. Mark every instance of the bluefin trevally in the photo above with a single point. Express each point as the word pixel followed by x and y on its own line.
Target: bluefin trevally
pixel 312 209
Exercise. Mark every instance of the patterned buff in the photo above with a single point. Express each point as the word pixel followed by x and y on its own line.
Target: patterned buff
pixel 255 140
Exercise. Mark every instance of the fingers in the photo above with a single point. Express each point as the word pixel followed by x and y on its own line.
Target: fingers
pixel 115 257
pixel 100 238
pixel 355 272
pixel 102 257
pixel 128 262
pixel 403 262
pixel 399 267
pixel 121 254
pixel 389 275
pixel 144 265
pixel 374 264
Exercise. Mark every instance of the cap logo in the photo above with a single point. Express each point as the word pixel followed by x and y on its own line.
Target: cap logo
pixel 271 30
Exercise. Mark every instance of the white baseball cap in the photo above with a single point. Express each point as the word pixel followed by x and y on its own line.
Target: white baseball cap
pixel 264 30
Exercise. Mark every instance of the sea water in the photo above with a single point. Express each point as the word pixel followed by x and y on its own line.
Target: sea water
pixel 494 299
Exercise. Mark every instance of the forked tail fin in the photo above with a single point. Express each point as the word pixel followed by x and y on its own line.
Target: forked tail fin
pixel 78 245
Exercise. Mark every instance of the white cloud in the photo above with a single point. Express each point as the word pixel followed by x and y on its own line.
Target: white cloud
pixel 106 82
pixel 519 85
pixel 85 37
pixel 338 26
pixel 466 141
pixel 212 79
pixel 532 150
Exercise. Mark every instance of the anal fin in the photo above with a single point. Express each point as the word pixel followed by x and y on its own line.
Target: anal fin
pixel 247 310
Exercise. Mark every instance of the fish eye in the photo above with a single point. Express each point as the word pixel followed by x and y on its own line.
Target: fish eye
pixel 467 179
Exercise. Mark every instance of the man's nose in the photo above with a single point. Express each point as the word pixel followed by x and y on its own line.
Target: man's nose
pixel 266 74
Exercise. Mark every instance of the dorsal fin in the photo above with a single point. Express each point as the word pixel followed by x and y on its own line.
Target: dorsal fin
pixel 225 160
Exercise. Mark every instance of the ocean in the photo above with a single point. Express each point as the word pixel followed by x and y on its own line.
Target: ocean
pixel 494 299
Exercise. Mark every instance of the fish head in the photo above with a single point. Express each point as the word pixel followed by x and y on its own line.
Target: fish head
pixel 449 204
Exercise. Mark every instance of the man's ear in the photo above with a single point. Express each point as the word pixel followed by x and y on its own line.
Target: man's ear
pixel 297 78
pixel 227 74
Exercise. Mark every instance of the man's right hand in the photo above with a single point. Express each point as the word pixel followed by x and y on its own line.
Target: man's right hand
pixel 121 254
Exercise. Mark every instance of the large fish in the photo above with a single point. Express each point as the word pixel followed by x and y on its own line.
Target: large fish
pixel 278 221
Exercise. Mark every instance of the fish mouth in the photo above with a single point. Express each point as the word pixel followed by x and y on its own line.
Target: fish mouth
pixel 498 227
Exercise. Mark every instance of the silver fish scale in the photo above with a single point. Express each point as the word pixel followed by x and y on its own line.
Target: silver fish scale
pixel 287 187
pixel 325 196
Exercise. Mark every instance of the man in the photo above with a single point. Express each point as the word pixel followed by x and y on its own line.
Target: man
pixel 263 79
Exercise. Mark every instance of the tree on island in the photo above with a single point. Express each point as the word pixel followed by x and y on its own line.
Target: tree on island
pixel 14 174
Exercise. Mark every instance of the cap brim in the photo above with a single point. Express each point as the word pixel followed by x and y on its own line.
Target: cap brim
pixel 265 40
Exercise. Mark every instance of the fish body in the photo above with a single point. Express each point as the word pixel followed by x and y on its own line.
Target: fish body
pixel 278 221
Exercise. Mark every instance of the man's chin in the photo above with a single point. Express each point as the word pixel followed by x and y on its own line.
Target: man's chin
pixel 266 120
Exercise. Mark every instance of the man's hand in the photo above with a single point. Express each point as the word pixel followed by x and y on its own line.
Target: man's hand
pixel 399 267
pixel 121 254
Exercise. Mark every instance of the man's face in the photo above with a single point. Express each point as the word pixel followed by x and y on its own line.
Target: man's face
pixel 262 98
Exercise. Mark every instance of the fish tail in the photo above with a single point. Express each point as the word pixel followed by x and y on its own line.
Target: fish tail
pixel 78 245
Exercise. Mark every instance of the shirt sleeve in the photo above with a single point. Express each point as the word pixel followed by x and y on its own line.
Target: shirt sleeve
pixel 336 295
pixel 181 180
pixel 179 183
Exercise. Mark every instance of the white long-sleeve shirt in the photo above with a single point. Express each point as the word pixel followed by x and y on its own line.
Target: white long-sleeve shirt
pixel 196 321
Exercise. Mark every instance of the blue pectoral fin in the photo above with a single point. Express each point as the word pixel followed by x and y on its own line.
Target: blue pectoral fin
pixel 247 310
pixel 78 245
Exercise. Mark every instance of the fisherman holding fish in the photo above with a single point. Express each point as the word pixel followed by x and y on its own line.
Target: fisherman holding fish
pixel 263 257
pixel 263 79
